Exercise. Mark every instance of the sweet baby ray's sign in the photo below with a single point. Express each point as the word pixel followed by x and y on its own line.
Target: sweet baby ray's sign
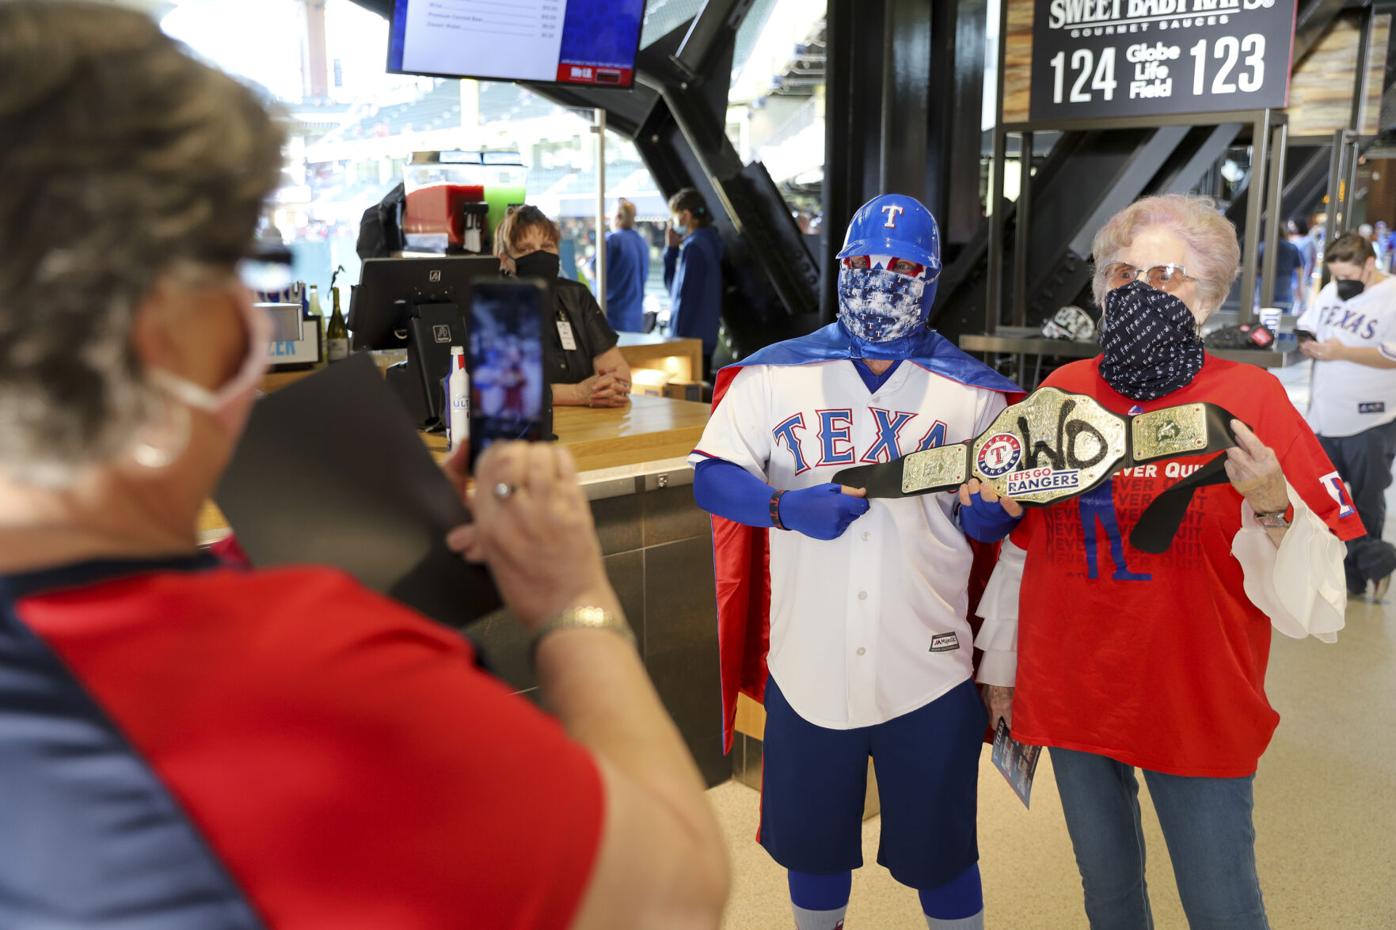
pixel 1103 58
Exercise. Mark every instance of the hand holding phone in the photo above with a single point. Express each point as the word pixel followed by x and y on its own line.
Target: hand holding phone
pixel 1303 335
pixel 507 384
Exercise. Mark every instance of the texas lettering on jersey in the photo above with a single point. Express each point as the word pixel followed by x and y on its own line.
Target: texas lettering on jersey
pixel 1340 317
pixel 823 438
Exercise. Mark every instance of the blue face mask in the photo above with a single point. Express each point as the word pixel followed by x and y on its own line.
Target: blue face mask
pixel 881 306
pixel 679 227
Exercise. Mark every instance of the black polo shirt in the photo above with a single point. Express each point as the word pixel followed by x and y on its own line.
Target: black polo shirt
pixel 591 334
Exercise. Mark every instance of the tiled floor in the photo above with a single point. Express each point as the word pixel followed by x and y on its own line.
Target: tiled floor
pixel 1325 810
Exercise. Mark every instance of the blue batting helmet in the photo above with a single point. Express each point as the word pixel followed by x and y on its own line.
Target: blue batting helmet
pixel 897 225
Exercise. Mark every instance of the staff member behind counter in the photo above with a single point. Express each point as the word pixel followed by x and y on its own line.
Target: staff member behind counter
pixel 185 744
pixel 585 367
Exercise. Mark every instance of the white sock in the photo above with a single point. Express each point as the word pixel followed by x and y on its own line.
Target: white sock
pixel 975 922
pixel 819 920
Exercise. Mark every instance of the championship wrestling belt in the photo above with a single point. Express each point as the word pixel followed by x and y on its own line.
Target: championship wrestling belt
pixel 1055 445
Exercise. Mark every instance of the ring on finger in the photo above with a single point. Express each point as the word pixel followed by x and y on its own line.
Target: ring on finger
pixel 503 491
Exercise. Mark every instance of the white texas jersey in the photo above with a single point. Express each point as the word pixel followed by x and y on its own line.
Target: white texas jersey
pixel 871 625
pixel 1346 397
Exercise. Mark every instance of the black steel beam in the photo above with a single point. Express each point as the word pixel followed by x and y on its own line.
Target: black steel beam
pixel 852 126
pixel 708 31
pixel 955 111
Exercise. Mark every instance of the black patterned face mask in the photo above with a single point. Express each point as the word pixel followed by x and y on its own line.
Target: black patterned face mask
pixel 1150 342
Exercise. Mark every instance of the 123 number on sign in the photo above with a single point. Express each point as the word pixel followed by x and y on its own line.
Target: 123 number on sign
pixel 1091 75
pixel 1227 52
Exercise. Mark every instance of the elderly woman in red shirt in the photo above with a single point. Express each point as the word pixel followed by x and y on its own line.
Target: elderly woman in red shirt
pixel 1128 660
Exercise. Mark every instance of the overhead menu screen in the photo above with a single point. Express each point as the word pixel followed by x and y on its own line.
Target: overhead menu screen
pixel 1105 58
pixel 591 42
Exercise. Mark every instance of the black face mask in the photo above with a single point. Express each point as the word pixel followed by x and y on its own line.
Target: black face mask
pixel 1348 288
pixel 1150 342
pixel 538 264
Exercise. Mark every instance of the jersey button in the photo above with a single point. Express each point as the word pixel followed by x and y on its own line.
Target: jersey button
pixel 862 595
pixel 867 536
pixel 862 651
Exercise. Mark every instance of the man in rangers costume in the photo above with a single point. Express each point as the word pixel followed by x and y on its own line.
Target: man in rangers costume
pixel 863 603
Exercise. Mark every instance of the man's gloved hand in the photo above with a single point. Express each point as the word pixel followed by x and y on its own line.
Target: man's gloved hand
pixel 984 516
pixel 823 511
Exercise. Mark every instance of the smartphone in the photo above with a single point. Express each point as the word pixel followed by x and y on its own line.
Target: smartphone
pixel 1303 335
pixel 509 393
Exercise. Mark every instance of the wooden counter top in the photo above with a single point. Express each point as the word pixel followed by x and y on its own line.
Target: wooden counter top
pixel 649 429
pixel 680 359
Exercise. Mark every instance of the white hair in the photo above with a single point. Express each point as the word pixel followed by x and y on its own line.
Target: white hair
pixel 1214 253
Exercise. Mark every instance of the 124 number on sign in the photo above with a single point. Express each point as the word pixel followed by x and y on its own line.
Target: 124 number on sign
pixel 1083 64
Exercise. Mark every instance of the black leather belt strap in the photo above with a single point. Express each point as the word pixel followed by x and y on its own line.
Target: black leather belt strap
pixel 1159 522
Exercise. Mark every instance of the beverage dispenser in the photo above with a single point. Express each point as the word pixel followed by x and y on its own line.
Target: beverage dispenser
pixel 455 200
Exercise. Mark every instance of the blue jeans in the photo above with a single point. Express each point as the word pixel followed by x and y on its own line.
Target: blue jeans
pixel 1206 824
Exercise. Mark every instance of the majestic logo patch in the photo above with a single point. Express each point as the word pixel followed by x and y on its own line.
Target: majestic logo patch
pixel 1043 479
pixel 999 454
pixel 441 333
pixel 1375 406
pixel 945 642
pixel 434 276
pixel 1333 484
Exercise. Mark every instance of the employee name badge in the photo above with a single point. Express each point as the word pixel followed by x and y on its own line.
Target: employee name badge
pixel 564 332
pixel 1016 761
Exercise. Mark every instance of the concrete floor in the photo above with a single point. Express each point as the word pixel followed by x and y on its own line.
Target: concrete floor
pixel 1325 810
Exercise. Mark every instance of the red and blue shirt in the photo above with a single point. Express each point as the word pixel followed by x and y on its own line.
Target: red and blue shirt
pixel 188 745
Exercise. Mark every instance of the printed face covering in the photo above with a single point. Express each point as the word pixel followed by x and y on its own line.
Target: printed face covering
pixel 1150 342
pixel 877 305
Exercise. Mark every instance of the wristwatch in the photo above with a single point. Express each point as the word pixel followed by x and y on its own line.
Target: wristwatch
pixel 582 618
pixel 1274 520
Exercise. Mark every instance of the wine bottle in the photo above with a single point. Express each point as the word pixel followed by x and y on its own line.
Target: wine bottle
pixel 317 320
pixel 337 335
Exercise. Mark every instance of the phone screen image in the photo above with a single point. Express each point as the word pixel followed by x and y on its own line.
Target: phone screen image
pixel 505 359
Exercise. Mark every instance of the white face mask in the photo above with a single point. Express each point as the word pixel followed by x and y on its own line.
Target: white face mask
pixel 230 404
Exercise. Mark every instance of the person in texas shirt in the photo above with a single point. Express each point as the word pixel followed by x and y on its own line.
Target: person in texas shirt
pixel 1129 660
pixel 1353 398
pixel 848 618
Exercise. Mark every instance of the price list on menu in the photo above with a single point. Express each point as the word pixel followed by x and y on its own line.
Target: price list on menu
pixel 1109 58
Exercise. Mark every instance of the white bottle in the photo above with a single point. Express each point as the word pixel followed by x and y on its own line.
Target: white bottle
pixel 458 396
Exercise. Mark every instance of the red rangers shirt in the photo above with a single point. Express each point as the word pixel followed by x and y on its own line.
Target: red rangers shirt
pixel 1159 660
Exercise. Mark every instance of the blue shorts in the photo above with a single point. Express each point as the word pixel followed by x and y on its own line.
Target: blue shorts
pixel 927 765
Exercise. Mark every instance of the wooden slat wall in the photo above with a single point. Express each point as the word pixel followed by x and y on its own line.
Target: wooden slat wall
pixel 1017 59
pixel 1320 90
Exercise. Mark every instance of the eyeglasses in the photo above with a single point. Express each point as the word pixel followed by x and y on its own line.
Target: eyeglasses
pixel 266 268
pixel 1167 278
pixel 898 265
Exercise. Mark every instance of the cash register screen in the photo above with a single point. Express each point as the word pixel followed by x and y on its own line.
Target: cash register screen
pixel 591 42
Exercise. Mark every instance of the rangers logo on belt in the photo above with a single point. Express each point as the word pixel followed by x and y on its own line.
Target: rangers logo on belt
pixel 999 455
